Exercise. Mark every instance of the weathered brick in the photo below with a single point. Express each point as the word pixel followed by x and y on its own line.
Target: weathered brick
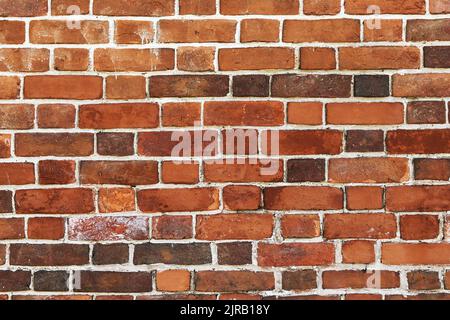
pixel 230 281
pixel 136 8
pixel 295 254
pixel 182 254
pixel 49 254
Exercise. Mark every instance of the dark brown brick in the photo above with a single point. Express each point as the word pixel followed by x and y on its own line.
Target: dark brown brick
pixel 364 141
pixel 182 254
pixel 51 281
pixel 299 280
pixel 6 201
pixel 14 281
pixel 423 280
pixel 424 112
pixel 115 144
pixel 313 86
pixel 49 254
pixel 110 254
pixel 251 86
pixel 437 57
pixel 189 86
pixel 97 281
pixel 371 86
pixel 237 253
pixel 306 170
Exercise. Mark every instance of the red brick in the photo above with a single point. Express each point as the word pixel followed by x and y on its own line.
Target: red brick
pixel 24 8
pixel 187 31
pixel 358 251
pixel 64 7
pixel 108 228
pixel 368 113
pixel 123 282
pixel 112 200
pixel 428 30
pixel 49 254
pixel 173 280
pixel 418 198
pixel 383 30
pixel 300 226
pixel 183 114
pixel 54 201
pixel 256 58
pixel 303 198
pixel 16 173
pixel 13 32
pixel 136 8
pixel 305 113
pixel 16 116
pixel 179 173
pixel 6 201
pixel 234 227
pixel 198 7
pixel 241 197
pixel 324 30
pixel 243 113
pixel 10 87
pixel 355 279
pixel 368 170
pixel 119 172
pixel 24 60
pixel 423 280
pixel 231 281
pixel 360 225
pixel 124 115
pixel 295 254
pixel 12 229
pixel 196 59
pixel 189 86
pixel 125 87
pixel 310 142
pixel 54 144
pixel 161 200
pixel 139 60
pixel 427 141
pixel 5 145
pixel 415 253
pixel 63 87
pixel 15 280
pixel 46 228
pixel 386 6
pixel 56 116
pixel 270 7
pixel 419 227
pixel 172 227
pixel 317 58
pixel 432 169
pixel 377 58
pixel 421 85
pixel 133 32
pixel 439 6
pixel 260 30
pixel 56 172
pixel 57 31
pixel 241 172
pixel 71 59
pixel 119 144
pixel 364 198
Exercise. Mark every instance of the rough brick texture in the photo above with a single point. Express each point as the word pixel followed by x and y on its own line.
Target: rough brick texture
pixel 224 149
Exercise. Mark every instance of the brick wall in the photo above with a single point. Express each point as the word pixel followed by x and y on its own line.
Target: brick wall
pixel 93 205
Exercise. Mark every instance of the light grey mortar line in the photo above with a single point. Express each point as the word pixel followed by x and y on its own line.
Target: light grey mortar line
pixel 234 45
pixel 338 251
pixel 278 281
pixel 301 17
pixel 427 6
pixel 214 255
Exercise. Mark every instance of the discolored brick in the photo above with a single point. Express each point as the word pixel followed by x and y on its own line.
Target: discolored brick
pixel 306 170
pixel 372 86
pixel 115 144
pixel 364 141
pixel 106 254
pixel 51 281
pixel 423 112
pixel 251 86
pixel 234 253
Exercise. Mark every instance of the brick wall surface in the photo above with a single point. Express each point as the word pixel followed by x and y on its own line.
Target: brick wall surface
pixel 93 205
